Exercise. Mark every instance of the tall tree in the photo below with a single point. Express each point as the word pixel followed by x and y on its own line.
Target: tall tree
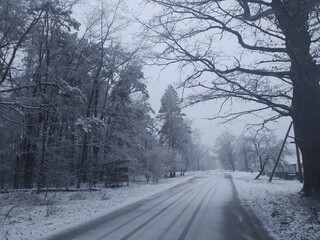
pixel 275 61
pixel 174 131
pixel 68 105
pixel 40 57
pixel 18 19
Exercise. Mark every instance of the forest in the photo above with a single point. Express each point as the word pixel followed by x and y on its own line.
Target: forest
pixel 74 99
pixel 72 102
pixel 85 152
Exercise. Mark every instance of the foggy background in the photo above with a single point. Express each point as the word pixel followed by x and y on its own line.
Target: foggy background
pixel 158 78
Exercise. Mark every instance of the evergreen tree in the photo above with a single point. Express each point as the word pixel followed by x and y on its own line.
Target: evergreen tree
pixel 174 129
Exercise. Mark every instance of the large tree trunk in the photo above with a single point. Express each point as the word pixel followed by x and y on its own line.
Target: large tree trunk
pixel 306 123
pixel 2 172
pixel 305 76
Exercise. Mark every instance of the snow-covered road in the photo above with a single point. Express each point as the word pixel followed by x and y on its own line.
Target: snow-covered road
pixel 201 209
pixel 26 216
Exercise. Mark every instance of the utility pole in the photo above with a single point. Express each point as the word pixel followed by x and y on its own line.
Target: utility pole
pixel 298 157
pixel 278 158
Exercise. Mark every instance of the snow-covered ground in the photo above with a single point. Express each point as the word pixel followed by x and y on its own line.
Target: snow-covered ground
pixel 36 216
pixel 27 216
pixel 284 214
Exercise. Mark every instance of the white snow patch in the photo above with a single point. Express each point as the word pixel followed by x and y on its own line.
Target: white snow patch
pixel 277 204
pixel 37 216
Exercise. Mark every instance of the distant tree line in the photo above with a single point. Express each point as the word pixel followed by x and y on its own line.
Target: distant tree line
pixel 255 152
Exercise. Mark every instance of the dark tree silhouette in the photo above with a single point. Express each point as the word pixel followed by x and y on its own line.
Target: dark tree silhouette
pixel 275 62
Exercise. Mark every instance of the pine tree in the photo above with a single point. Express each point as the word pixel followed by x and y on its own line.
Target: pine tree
pixel 174 129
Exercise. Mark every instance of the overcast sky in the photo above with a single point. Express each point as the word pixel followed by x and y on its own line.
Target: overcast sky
pixel 158 81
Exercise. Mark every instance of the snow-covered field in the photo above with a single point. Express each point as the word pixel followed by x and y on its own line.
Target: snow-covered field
pixel 36 216
pixel 284 214
pixel 26 216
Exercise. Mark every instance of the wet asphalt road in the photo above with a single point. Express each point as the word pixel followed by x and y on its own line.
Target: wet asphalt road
pixel 204 208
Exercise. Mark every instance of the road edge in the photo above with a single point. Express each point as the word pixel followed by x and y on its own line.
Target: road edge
pixel 85 226
pixel 245 216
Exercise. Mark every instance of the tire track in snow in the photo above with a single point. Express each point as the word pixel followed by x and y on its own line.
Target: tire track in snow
pixel 191 188
pixel 191 220
pixel 195 188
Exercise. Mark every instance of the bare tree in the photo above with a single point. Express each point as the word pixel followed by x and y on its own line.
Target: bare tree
pixel 245 153
pixel 226 150
pixel 200 152
pixel 264 148
pixel 275 62
pixel 69 104
pixel 19 19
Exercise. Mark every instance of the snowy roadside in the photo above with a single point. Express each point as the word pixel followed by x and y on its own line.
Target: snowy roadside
pixel 37 216
pixel 283 213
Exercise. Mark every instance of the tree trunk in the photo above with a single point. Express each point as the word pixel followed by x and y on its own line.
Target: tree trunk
pixel 42 174
pixel 30 163
pixel 306 122
pixel 260 162
pixel 2 172
pixel 246 161
pixel 261 169
pixel 16 173
pixel 305 76
pixel 29 152
pixel 232 164
pixel 81 173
